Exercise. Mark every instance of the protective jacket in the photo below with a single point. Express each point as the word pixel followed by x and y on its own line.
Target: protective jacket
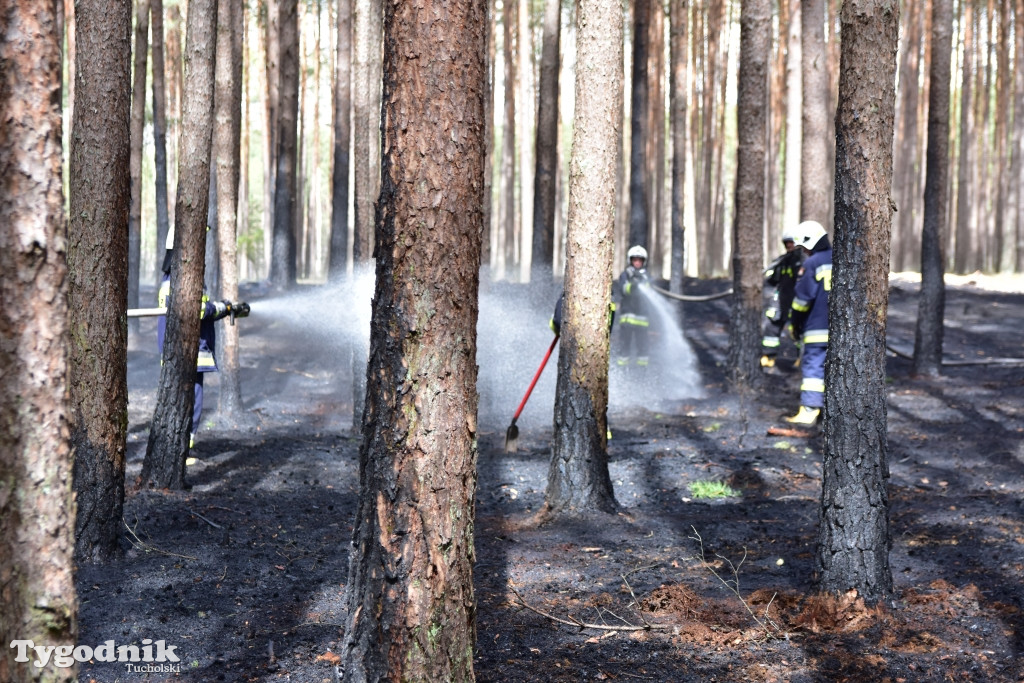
pixel 209 312
pixel 782 274
pixel 810 322
pixel 631 306
pixel 810 299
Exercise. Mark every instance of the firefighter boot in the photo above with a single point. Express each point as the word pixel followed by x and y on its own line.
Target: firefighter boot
pixel 805 416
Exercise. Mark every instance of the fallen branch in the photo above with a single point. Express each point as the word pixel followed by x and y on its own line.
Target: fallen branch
pixel 582 624
pixel 149 548
pixel 213 524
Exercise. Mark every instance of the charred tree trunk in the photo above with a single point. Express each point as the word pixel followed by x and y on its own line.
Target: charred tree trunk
pixel 138 121
pixel 37 509
pixel 546 173
pixel 100 200
pixel 748 225
pixel 164 464
pixel 932 303
pixel 410 589
pixel 283 257
pixel 228 143
pixel 854 535
pixel 578 479
pixel 342 137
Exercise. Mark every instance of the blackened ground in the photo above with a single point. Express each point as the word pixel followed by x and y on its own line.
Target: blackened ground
pixel 244 573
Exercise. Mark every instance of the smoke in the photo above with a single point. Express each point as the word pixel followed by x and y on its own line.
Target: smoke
pixel 513 335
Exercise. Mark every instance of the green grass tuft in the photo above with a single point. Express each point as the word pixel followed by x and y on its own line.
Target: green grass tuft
pixel 712 489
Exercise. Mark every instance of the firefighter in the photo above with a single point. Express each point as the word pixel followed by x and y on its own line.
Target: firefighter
pixel 810 318
pixel 209 312
pixel 781 275
pixel 630 294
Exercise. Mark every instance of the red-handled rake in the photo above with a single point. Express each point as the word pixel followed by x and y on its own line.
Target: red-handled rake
pixel 512 434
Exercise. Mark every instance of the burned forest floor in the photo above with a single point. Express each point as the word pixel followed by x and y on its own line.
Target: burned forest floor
pixel 244 572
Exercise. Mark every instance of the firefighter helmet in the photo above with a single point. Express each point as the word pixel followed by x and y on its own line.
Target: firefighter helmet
pixel 808 234
pixel 788 235
pixel 637 252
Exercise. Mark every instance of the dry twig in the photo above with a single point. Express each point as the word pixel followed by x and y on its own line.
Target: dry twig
pixel 576 623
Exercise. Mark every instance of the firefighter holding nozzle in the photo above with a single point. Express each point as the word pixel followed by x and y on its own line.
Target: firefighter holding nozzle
pixel 209 312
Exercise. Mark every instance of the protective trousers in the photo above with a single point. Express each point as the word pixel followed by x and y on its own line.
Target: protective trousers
pixel 812 389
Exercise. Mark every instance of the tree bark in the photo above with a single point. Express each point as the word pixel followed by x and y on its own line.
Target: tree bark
pixel 639 192
pixel 854 534
pixel 283 255
pixel 410 590
pixel 932 302
pixel 578 479
pixel 366 124
pixel 37 509
pixel 748 226
pixel 507 202
pixel 228 143
pixel 906 162
pixel 163 222
pixel 1017 157
pixel 677 97
pixel 138 121
pixel 963 250
pixel 546 172
pixel 342 138
pixel 814 149
pixel 100 199
pixel 164 464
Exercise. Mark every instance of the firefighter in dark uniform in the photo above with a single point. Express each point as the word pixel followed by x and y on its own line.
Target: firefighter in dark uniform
pixel 630 294
pixel 810 318
pixel 781 275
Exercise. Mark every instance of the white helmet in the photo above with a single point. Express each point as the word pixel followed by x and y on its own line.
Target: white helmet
pixel 637 252
pixel 788 235
pixel 808 234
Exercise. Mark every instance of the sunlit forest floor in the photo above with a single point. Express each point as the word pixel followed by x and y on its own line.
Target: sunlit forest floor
pixel 245 571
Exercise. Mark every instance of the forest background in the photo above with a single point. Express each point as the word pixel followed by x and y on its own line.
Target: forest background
pixel 984 221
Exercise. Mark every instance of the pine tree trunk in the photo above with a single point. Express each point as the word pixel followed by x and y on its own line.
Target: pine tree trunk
pixel 163 222
pixel 366 125
pixel 410 589
pixel 338 265
pixel 1017 157
pixel 272 103
pixel 138 120
pixel 932 302
pixel 677 98
pixel 906 161
pixel 963 250
pixel 748 224
pixel 100 199
pixel 639 192
pixel 227 143
pixel 815 200
pixel 37 510
pixel 546 172
pixel 164 464
pixel 854 534
pixel 578 479
pixel 283 260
